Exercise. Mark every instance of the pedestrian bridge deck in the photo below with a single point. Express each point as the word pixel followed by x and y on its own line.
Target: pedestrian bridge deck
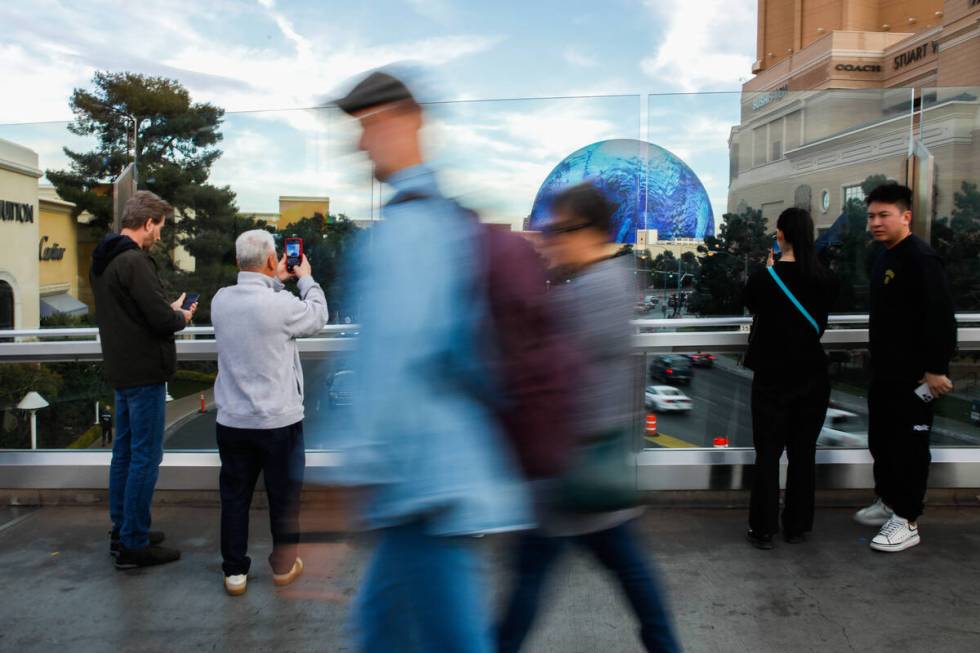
pixel 59 591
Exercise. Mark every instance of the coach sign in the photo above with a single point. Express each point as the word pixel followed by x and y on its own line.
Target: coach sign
pixel 859 67
pixel 16 212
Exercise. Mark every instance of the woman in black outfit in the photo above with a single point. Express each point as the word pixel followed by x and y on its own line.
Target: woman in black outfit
pixel 791 386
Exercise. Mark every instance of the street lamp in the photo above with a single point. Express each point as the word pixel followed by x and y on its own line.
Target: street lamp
pixel 33 402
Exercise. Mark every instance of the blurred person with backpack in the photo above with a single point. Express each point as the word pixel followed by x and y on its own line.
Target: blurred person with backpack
pixel 447 404
pixel 592 503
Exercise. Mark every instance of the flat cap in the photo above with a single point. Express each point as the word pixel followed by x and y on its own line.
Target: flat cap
pixel 375 89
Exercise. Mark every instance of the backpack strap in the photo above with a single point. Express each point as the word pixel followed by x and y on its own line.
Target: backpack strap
pixel 792 298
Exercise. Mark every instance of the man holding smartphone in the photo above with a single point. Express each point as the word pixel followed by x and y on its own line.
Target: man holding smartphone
pixel 136 330
pixel 259 395
pixel 912 338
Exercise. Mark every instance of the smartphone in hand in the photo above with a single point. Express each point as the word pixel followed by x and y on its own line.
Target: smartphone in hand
pixel 294 253
pixel 924 393
pixel 189 300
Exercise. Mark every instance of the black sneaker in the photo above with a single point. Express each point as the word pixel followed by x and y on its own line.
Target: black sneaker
pixel 794 538
pixel 758 540
pixel 156 537
pixel 148 556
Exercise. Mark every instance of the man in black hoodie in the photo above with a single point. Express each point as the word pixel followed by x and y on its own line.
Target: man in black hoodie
pixel 912 337
pixel 136 327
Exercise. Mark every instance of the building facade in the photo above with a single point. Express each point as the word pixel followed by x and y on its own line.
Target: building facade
pixel 19 229
pixel 60 265
pixel 847 89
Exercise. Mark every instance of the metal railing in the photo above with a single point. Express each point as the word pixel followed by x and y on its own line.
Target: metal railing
pixel 657 469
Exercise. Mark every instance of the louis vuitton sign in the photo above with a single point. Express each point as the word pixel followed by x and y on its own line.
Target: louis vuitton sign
pixel 16 211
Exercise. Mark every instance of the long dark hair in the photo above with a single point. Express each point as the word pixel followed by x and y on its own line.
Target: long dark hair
pixel 797 227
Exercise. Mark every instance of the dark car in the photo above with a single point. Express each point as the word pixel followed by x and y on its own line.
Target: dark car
pixel 671 369
pixel 701 359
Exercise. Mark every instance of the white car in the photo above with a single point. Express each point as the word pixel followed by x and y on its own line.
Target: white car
pixel 663 398
pixel 842 428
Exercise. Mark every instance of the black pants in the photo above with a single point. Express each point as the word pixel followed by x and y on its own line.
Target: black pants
pixel 899 424
pixel 281 455
pixel 786 414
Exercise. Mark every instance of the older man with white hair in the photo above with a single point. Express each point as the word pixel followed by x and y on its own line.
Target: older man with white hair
pixel 259 394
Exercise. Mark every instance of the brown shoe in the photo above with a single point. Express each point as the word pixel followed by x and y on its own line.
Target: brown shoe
pixel 285 579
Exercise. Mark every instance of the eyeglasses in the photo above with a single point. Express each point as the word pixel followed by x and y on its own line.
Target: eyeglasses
pixel 555 229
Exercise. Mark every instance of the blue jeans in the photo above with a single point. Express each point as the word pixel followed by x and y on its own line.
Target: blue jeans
pixel 619 551
pixel 422 593
pixel 136 456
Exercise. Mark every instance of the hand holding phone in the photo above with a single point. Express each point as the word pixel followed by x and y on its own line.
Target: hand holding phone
pixel 190 299
pixel 294 253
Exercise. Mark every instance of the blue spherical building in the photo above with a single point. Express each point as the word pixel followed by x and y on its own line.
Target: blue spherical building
pixel 653 188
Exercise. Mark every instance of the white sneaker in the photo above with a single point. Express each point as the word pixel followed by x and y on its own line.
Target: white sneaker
pixel 897 534
pixel 235 585
pixel 874 515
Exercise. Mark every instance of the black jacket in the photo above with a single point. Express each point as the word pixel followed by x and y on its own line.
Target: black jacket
pixel 913 327
pixel 136 322
pixel 783 342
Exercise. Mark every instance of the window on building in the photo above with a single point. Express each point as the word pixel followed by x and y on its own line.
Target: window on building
pixel 794 126
pixel 853 193
pixel 776 140
pixel 760 149
pixel 777 150
pixel 733 162
pixel 6 306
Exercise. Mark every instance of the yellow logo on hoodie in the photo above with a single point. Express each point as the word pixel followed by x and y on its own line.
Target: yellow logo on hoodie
pixel 889 275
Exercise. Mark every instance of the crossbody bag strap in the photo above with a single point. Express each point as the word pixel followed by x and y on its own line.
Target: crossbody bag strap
pixel 792 298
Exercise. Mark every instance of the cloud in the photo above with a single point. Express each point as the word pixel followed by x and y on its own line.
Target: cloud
pixel 440 11
pixel 707 44
pixel 578 58
pixel 44 60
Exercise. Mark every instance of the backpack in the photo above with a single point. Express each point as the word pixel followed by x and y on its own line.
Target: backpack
pixel 534 366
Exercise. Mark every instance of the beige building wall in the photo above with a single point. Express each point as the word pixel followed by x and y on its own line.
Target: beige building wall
pixel 57 248
pixel 293 209
pixel 788 26
pixel 18 184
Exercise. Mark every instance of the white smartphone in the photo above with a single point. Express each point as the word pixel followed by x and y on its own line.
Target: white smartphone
pixel 923 393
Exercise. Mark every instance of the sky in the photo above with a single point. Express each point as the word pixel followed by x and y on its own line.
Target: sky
pixel 519 85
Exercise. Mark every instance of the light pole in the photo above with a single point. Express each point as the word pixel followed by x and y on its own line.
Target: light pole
pixel 33 402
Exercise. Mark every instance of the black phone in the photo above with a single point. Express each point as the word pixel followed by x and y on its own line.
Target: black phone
pixel 190 300
pixel 294 252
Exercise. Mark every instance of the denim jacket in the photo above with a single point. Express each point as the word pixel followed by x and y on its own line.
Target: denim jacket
pixel 425 440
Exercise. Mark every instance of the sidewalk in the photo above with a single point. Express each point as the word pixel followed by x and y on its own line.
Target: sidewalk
pixel 831 594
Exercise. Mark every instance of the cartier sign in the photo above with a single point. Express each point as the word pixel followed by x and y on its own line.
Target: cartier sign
pixel 52 253
pixel 16 211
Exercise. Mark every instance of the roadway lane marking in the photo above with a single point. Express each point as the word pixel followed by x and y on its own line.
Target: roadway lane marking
pixel 665 440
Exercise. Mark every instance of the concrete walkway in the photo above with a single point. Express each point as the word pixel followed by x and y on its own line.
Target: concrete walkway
pixel 61 593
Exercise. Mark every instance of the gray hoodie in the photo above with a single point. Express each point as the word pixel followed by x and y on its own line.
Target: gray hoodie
pixel 256 323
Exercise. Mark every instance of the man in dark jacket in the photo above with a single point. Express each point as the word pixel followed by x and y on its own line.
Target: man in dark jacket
pixel 912 337
pixel 136 327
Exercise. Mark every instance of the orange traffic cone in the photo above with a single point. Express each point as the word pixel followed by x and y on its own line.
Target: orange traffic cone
pixel 651 428
pixel 203 406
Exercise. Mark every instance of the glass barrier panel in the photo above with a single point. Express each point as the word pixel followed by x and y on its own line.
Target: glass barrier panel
pixel 692 399
pixel 73 393
pixel 327 387
pixel 948 168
